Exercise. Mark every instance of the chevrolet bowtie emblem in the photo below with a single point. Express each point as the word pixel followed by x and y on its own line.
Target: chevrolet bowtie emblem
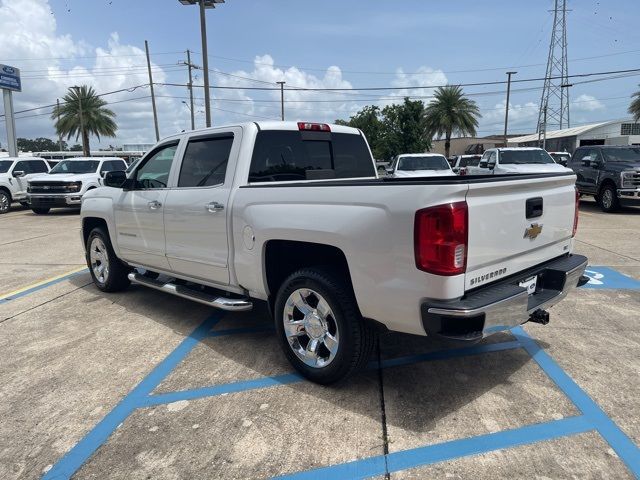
pixel 533 231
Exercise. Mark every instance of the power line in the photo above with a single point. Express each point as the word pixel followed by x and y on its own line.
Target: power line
pixel 87 57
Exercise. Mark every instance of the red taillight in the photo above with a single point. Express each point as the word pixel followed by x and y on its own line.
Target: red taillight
pixel 440 238
pixel 575 215
pixel 315 127
pixel 463 171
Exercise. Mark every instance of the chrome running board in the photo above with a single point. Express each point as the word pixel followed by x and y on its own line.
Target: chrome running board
pixel 223 303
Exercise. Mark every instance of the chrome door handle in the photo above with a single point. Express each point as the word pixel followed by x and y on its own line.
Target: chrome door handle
pixel 154 205
pixel 214 207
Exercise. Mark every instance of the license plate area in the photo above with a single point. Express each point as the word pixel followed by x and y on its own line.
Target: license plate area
pixel 530 284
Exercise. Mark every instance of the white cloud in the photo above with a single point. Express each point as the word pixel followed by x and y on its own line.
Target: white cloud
pixel 29 31
pixel 586 103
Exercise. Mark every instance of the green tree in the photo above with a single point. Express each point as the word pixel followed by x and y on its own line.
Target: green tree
pixel 83 113
pixel 368 120
pixel 450 112
pixel 76 148
pixel 634 108
pixel 404 129
pixel 39 144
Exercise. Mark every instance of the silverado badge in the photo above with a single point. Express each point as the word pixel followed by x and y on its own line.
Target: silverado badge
pixel 533 231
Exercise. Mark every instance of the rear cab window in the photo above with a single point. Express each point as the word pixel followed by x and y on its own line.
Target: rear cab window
pixel 289 155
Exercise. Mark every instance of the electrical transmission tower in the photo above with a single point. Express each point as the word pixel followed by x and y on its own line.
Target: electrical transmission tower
pixel 554 104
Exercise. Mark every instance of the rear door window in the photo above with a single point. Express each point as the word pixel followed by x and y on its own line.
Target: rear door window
pixel 205 162
pixel 281 155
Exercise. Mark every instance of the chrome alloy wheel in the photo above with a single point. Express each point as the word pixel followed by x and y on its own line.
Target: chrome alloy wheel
pixel 311 328
pixel 99 259
pixel 607 198
pixel 4 202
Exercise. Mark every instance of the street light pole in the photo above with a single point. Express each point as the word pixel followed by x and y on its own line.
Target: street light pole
pixel 506 109
pixel 205 64
pixel 153 96
pixel 204 4
pixel 281 99
pixel 193 122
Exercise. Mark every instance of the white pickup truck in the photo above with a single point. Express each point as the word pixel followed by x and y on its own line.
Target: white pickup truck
pixel 513 160
pixel 15 172
pixel 293 214
pixel 68 181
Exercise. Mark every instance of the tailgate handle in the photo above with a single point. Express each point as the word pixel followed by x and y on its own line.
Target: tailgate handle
pixel 534 207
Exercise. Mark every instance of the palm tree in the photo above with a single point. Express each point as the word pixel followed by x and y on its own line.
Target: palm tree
pixel 450 111
pixel 634 108
pixel 82 113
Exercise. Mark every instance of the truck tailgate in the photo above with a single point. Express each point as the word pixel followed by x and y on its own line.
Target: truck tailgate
pixel 502 240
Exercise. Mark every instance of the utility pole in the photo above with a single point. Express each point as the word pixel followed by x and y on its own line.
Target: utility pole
pixel 205 65
pixel 506 109
pixel 193 124
pixel 281 99
pixel 85 150
pixel 153 96
pixel 59 134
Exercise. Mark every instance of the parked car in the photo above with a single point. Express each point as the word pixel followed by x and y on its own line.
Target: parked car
pixel 293 215
pixel 68 181
pixel 461 162
pixel 610 173
pixel 420 165
pixel 562 158
pixel 15 172
pixel 501 161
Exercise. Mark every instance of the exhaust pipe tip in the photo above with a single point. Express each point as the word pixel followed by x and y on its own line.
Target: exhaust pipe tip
pixel 540 316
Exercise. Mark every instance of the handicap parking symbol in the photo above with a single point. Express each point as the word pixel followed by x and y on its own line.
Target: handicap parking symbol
pixel 605 277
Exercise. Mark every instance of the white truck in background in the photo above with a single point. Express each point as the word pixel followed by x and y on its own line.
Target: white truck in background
pixel 293 214
pixel 68 181
pixel 514 160
pixel 15 172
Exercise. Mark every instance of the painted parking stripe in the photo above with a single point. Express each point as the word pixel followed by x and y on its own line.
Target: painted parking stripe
pixel 80 453
pixel 608 278
pixel 285 379
pixel 616 438
pixel 21 292
pixel 421 456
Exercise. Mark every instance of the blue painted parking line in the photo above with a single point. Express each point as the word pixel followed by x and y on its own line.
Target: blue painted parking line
pixel 421 456
pixel 23 292
pixel 619 442
pixel 80 453
pixel 608 278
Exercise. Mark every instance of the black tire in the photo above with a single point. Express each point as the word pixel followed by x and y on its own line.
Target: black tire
pixel 5 202
pixel 116 277
pixel 608 199
pixel 40 211
pixel 356 339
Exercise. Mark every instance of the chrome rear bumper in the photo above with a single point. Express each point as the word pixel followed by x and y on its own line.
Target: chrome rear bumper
pixel 503 305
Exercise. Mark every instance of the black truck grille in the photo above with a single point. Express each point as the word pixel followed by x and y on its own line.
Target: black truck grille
pixel 51 187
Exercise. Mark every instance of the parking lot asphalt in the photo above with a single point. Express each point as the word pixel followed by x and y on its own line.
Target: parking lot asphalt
pixel 141 384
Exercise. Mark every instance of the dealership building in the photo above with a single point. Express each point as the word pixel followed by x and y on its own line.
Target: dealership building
pixel 617 132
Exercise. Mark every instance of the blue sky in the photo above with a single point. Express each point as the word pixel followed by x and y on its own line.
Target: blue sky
pixel 371 43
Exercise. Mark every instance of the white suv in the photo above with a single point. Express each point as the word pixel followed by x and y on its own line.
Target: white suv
pixel 68 181
pixel 14 175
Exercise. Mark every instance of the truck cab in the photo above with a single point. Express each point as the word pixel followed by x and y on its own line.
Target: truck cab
pixel 15 173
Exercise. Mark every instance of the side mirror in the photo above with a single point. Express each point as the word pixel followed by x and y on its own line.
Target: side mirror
pixel 18 173
pixel 491 165
pixel 115 179
pixel 483 164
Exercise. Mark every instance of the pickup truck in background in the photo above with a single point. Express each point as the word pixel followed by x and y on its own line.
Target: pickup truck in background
pixel 15 172
pixel 68 181
pixel 610 173
pixel 460 163
pixel 508 161
pixel 293 214
pixel 420 165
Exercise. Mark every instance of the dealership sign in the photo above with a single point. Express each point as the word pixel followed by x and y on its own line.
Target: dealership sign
pixel 10 78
